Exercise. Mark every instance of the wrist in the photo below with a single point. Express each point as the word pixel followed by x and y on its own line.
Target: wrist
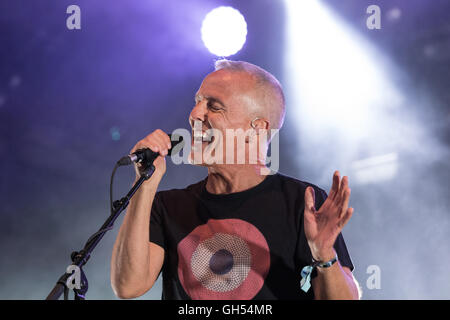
pixel 319 265
pixel 325 256
pixel 151 183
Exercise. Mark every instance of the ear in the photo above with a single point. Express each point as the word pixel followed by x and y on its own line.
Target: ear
pixel 260 123
pixel 257 124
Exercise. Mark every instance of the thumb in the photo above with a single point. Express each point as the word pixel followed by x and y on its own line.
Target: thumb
pixel 310 200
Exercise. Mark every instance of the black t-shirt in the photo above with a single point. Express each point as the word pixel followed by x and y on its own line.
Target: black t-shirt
pixel 244 245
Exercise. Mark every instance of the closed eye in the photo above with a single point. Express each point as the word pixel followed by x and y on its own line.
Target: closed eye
pixel 210 105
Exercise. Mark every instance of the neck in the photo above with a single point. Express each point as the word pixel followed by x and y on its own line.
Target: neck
pixel 233 178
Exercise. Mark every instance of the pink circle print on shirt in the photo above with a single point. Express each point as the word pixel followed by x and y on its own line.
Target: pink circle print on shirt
pixel 223 260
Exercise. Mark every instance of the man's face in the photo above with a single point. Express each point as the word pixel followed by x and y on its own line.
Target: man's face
pixel 222 102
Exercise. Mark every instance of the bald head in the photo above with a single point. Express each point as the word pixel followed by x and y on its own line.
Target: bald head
pixel 266 93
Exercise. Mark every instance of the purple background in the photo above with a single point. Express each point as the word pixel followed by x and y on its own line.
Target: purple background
pixel 134 67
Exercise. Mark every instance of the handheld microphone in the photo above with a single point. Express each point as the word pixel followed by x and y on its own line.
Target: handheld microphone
pixel 147 156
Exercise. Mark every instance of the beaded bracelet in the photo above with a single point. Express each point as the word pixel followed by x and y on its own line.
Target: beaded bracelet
pixel 305 282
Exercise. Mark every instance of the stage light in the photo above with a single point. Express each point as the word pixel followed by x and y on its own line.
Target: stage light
pixel 337 77
pixel 375 169
pixel 356 111
pixel 340 90
pixel 224 31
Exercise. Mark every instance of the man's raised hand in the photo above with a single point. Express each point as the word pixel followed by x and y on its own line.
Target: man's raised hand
pixel 323 226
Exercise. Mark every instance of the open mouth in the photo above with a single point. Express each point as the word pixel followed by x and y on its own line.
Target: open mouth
pixel 202 136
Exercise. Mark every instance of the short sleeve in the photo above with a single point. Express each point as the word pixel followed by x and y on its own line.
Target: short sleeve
pixel 342 253
pixel 156 221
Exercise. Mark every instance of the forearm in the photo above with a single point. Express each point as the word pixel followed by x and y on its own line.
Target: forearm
pixel 130 261
pixel 334 283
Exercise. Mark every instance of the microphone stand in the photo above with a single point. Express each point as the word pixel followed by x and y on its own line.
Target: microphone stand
pixel 80 258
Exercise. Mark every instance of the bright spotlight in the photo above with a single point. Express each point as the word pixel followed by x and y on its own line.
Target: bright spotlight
pixel 224 31
pixel 337 77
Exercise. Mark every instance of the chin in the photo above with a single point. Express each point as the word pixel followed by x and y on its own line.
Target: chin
pixel 191 159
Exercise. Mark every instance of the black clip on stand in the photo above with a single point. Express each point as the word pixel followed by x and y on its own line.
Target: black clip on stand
pixel 80 258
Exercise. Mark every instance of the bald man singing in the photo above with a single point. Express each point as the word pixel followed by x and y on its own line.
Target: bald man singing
pixel 243 232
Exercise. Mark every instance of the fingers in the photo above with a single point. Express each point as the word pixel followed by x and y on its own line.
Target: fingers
pixel 346 199
pixel 157 141
pixel 164 138
pixel 343 197
pixel 338 188
pixel 335 186
pixel 340 193
pixel 310 200
pixel 343 186
pixel 161 141
pixel 346 217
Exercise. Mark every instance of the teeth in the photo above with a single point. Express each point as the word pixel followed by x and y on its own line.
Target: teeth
pixel 207 135
pixel 198 135
pixel 202 136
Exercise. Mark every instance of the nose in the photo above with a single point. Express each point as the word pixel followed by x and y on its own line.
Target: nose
pixel 198 113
